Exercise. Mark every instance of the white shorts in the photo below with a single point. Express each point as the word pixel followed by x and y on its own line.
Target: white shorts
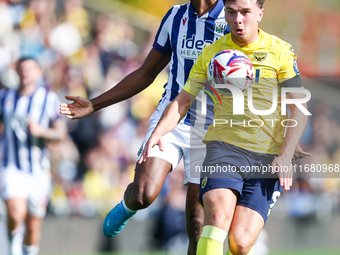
pixel 35 188
pixel 177 145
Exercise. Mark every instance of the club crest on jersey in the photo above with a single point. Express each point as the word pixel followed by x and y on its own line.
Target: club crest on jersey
pixel 220 26
pixel 260 56
pixel 204 182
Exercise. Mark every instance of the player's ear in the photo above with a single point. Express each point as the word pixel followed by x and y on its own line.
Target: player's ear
pixel 260 15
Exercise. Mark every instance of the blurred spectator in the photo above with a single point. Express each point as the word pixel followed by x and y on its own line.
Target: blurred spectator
pixel 92 167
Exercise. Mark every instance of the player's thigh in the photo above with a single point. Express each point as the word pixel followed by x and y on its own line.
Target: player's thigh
pixel 14 191
pixel 260 195
pixel 194 211
pixel 150 176
pixel 245 228
pixel 219 205
pixel 16 209
pixel 154 170
pixel 13 183
pixel 172 151
pixel 39 192
pixel 253 208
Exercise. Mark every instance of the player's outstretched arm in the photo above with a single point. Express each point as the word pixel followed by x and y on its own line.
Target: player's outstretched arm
pixel 126 88
pixel 283 163
pixel 172 114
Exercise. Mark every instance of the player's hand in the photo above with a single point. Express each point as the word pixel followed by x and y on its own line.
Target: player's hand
pixel 299 153
pixel 154 139
pixel 80 108
pixel 283 166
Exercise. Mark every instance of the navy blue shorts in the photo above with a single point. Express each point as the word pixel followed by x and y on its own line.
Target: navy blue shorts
pixel 246 172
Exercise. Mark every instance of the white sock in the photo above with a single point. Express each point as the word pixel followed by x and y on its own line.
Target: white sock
pixel 127 208
pixel 30 249
pixel 16 239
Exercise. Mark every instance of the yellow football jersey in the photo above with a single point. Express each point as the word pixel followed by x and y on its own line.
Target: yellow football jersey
pixel 274 61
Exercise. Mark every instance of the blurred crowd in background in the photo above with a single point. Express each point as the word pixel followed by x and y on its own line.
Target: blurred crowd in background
pixel 85 54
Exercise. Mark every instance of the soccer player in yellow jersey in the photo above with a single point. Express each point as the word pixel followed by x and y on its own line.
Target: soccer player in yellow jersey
pixel 240 202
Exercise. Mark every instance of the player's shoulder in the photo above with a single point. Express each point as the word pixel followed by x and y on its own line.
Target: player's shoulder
pixel 3 91
pixel 273 40
pixel 177 7
pixel 45 91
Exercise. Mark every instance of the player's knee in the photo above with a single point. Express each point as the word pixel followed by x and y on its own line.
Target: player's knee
pixel 16 216
pixel 240 244
pixel 194 223
pixel 141 200
pixel 218 218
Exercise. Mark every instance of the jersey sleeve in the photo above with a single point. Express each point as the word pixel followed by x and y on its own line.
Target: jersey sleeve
pixel 197 76
pixel 162 41
pixel 289 75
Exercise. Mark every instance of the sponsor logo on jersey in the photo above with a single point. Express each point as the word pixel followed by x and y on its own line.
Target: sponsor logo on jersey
pixel 260 56
pixel 191 48
pixel 220 26
pixel 184 20
pixel 204 182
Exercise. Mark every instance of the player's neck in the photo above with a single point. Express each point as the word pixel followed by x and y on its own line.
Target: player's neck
pixel 27 90
pixel 242 43
pixel 203 6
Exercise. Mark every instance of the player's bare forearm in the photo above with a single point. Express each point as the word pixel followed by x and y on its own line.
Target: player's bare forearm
pixel 293 134
pixel 283 163
pixel 126 88
pixel 172 114
pixel 56 132
pixel 134 82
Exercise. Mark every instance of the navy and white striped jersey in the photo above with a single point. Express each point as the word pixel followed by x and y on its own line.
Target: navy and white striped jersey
pixel 184 34
pixel 19 149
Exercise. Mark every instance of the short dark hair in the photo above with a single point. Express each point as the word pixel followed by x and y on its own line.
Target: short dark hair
pixel 259 2
pixel 23 59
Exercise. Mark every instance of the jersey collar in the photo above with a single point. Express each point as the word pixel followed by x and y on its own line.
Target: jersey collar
pixel 214 13
pixel 249 46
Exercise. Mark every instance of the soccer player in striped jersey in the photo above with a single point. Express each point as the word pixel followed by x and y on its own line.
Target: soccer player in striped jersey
pixel 31 118
pixel 184 31
pixel 239 201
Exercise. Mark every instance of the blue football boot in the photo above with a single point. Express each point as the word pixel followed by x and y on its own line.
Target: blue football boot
pixel 116 220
